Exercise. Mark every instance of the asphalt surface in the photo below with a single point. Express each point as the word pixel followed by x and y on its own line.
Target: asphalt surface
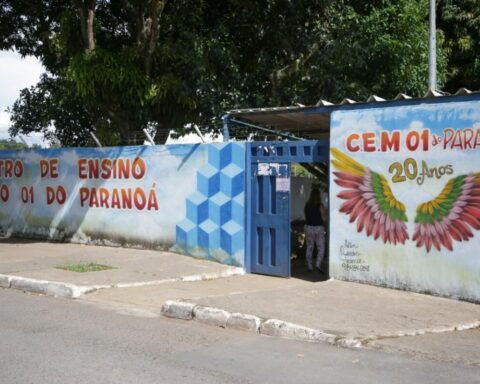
pixel 47 340
pixel 460 347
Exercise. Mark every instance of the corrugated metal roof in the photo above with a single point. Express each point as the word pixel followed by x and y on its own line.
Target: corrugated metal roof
pixel 314 121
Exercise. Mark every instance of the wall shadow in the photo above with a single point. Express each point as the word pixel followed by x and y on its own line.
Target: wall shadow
pixel 300 271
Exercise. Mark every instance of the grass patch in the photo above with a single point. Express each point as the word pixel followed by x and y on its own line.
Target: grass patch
pixel 84 267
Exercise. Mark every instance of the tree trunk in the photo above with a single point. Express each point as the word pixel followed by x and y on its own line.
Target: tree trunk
pixel 155 13
pixel 86 14
pixel 162 133
pixel 89 23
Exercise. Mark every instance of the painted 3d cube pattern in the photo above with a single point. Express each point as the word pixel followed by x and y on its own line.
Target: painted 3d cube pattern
pixel 214 228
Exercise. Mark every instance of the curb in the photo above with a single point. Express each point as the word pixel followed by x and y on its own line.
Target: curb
pixel 278 328
pixel 423 331
pixel 5 281
pixel 251 323
pixel 72 291
pixel 48 288
pixel 233 271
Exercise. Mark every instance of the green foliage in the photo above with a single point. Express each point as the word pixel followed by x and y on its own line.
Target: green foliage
pixel 321 49
pixel 460 22
pixel 53 102
pixel 101 75
pixel 381 47
pixel 163 64
pixel 11 144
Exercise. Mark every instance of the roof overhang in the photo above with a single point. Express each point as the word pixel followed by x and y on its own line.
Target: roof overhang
pixel 305 122
pixel 313 122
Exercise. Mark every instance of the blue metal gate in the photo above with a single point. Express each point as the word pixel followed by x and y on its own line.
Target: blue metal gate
pixel 268 201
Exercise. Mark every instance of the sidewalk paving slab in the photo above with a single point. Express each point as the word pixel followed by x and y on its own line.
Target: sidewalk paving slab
pixel 37 260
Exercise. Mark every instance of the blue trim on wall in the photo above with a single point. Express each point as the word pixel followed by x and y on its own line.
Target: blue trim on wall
pixel 248 209
pixel 302 151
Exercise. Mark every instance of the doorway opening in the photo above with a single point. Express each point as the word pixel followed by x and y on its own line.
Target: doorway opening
pixel 306 177
pixel 270 197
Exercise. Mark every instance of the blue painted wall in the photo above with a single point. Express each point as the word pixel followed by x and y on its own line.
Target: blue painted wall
pixel 214 225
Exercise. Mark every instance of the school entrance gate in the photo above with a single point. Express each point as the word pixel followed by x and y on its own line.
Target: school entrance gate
pixel 268 190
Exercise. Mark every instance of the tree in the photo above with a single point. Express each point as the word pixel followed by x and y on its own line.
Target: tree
pixel 283 52
pixel 53 108
pixel 11 144
pixel 117 67
pixel 460 22
pixel 380 47
pixel 106 71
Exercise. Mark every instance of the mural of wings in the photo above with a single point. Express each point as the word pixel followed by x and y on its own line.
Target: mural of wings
pixel 369 200
pixel 451 215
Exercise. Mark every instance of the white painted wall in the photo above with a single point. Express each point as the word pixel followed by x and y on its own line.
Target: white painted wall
pixel 358 256
pixel 300 191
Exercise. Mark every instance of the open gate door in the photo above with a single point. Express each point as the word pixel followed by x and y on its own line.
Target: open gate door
pixel 270 218
pixel 268 200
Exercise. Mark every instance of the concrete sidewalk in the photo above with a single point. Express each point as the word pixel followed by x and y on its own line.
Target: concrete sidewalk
pixel 337 312
pixel 28 265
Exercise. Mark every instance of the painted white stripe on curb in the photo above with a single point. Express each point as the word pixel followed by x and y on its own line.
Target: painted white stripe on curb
pixel 51 288
pixel 29 285
pixel 464 327
pixel 178 309
pixel 244 322
pixel 422 331
pixel 233 271
pixel 272 327
pixel 275 327
pixel 211 316
pixel 5 281
pixel 54 288
pixel 144 283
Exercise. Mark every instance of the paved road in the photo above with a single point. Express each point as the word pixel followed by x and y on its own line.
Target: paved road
pixel 46 340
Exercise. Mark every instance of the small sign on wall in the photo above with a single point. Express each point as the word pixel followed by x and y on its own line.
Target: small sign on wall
pixel 282 184
pixel 272 169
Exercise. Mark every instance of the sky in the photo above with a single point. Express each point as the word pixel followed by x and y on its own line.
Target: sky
pixel 15 74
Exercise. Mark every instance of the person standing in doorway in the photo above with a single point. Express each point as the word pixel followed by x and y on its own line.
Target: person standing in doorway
pixel 315 217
